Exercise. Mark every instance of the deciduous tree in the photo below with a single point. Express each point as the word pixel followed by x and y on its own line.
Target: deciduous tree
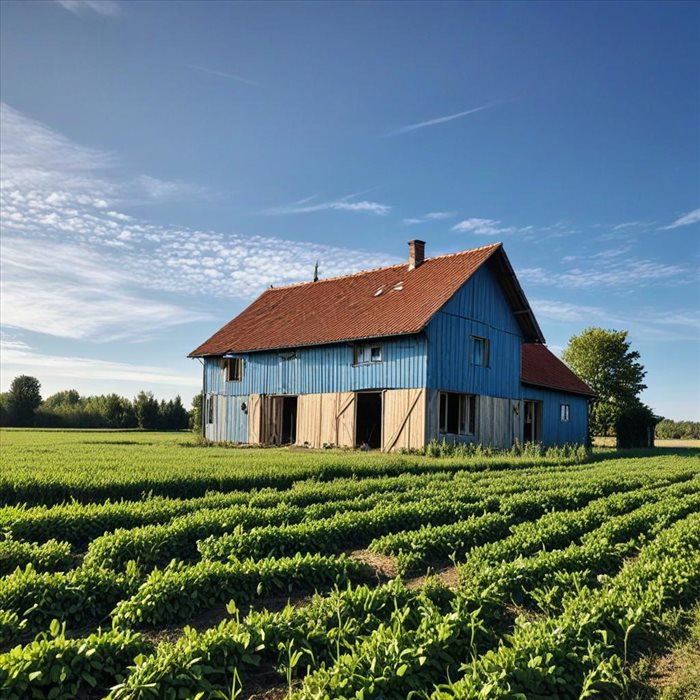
pixel 605 360
pixel 23 399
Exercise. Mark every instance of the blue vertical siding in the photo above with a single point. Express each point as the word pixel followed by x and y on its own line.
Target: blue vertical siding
pixel 554 430
pixel 236 419
pixel 478 308
pixel 324 368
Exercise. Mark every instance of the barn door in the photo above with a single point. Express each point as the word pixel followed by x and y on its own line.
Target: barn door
pixel 345 420
pixel 271 420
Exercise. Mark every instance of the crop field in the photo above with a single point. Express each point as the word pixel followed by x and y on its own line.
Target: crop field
pixel 140 565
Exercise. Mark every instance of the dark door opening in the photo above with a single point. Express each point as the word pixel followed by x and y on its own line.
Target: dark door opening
pixel 532 422
pixel 368 421
pixel 289 420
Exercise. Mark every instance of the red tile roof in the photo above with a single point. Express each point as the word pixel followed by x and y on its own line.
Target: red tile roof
pixel 541 367
pixel 350 307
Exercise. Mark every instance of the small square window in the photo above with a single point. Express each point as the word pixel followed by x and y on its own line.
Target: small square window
pixel 234 369
pixel 480 352
pixel 564 412
pixel 366 353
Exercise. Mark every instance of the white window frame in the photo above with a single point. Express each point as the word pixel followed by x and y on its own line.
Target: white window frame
pixel 367 353
pixel 564 412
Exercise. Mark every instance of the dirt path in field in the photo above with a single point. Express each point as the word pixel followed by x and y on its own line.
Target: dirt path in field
pixel 385 569
pixel 449 576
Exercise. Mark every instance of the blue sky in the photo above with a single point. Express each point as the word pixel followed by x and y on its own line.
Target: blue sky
pixel 163 162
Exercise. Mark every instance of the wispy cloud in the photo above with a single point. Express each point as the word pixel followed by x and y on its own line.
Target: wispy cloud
pixel 483 227
pixel 222 74
pixel 157 189
pixel 496 228
pixel 645 324
pixel 692 217
pixel 442 120
pixel 68 291
pixel 75 265
pixel 612 271
pixel 347 203
pixel 17 356
pixel 439 215
pixel 42 168
pixel 430 216
pixel 632 225
pixel 106 8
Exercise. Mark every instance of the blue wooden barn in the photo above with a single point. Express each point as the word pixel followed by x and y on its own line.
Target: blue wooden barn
pixel 443 347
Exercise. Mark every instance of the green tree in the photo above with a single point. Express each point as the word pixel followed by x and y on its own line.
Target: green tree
pixel 196 414
pixel 604 360
pixel 147 411
pixel 68 397
pixel 4 412
pixel 179 414
pixel 23 399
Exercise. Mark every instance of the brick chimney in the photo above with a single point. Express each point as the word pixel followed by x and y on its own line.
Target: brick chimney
pixel 416 254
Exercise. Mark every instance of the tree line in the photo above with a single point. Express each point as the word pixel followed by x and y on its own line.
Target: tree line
pixel 23 406
pixel 678 430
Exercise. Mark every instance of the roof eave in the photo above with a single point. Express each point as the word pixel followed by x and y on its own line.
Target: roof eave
pixel 274 348
pixel 529 324
pixel 540 385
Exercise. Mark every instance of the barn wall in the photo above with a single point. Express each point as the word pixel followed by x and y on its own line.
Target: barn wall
pixel 498 421
pixel 555 431
pixel 324 369
pixel 230 421
pixel 479 308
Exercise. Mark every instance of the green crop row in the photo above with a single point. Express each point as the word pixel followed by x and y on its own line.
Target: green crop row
pixel 94 467
pixel 560 528
pixel 79 523
pixel 50 556
pixel 565 656
pixel 333 534
pixel 82 596
pixel 62 669
pixel 178 592
pixel 435 542
pixel 601 551
pixel 157 545
pixel 291 640
pixel 582 651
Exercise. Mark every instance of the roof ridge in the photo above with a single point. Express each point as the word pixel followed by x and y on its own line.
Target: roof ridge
pixel 377 269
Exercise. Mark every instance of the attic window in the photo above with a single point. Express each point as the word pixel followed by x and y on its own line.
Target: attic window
pixel 379 292
pixel 367 353
pixel 234 369
pixel 398 287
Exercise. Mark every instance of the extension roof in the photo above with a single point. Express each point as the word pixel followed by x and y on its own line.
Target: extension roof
pixel 353 307
pixel 541 367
